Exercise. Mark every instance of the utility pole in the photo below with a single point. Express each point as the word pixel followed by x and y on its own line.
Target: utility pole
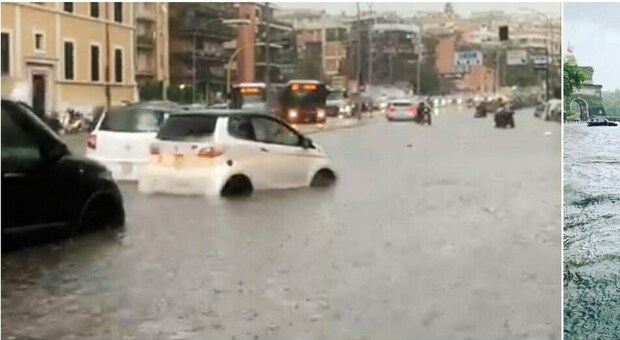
pixel 267 19
pixel 419 63
pixel 194 64
pixel 108 94
pixel 359 63
pixel 370 44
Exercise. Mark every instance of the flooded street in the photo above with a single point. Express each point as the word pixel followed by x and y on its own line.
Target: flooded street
pixel 591 232
pixel 444 232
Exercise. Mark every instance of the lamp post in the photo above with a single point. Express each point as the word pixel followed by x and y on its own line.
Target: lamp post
pixel 549 37
pixel 236 53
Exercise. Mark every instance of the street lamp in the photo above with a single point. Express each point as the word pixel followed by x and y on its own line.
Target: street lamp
pixel 549 37
pixel 236 53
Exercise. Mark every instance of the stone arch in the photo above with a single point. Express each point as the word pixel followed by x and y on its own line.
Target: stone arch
pixel 583 108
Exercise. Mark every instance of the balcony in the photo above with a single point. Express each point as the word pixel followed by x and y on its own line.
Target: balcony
pixel 188 54
pixel 207 28
pixel 145 41
pixel 146 11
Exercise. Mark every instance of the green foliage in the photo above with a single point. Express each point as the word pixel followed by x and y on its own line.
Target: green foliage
pixel 151 90
pixel 611 102
pixel 573 78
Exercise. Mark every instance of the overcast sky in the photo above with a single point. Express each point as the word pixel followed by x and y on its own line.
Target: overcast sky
pixel 409 8
pixel 593 30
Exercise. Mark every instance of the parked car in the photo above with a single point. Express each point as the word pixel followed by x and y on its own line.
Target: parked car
pixel 600 121
pixel 231 152
pixel 401 109
pixel 44 186
pixel 122 137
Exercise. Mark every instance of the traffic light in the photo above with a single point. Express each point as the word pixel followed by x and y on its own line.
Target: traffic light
pixel 503 33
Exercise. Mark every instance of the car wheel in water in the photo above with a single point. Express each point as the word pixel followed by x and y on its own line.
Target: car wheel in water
pixel 99 213
pixel 323 178
pixel 237 186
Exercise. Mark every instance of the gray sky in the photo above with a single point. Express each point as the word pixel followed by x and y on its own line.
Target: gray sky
pixel 409 8
pixel 593 30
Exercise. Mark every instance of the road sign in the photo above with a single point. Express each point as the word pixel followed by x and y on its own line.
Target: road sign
pixel 540 62
pixel 468 58
pixel 516 57
pixel 463 69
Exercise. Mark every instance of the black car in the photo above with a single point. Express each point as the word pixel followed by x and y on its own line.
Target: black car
pixel 601 122
pixel 44 186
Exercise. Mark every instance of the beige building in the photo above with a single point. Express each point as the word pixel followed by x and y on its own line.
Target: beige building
pixel 152 54
pixel 57 56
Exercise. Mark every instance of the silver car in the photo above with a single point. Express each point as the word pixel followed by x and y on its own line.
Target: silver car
pixel 401 109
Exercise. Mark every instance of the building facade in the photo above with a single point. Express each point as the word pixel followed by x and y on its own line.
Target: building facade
pixel 152 52
pixel 77 55
pixel 197 34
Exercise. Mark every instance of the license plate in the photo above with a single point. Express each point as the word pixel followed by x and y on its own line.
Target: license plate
pixel 178 161
pixel 126 168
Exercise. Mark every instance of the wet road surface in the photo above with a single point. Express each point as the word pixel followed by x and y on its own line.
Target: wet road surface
pixel 447 232
pixel 591 232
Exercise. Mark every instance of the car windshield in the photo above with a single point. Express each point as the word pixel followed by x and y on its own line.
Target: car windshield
pixel 401 104
pixel 134 119
pixel 188 128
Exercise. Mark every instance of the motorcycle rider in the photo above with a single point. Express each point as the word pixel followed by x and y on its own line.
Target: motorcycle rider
pixel 424 112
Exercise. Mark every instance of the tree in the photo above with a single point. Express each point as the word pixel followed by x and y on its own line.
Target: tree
pixel 573 78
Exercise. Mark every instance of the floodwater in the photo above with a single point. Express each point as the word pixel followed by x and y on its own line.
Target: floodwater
pixel 591 232
pixel 442 232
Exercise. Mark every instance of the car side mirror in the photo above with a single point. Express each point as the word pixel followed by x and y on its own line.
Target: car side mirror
pixel 306 143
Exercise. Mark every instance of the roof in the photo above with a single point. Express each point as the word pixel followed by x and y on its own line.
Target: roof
pixel 307 81
pixel 220 112
pixel 250 85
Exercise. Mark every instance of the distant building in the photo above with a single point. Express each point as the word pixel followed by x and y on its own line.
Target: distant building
pixel 54 54
pixel 197 36
pixel 152 53
pixel 589 99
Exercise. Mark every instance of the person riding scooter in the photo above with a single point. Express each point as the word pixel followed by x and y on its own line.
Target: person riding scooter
pixel 423 113
pixel 504 116
pixel 481 110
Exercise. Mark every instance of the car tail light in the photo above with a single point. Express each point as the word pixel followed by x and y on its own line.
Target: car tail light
pixel 91 141
pixel 210 152
pixel 391 109
pixel 411 109
pixel 154 149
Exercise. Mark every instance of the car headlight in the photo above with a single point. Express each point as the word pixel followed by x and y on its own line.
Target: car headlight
pixel 292 113
pixel 320 113
pixel 346 108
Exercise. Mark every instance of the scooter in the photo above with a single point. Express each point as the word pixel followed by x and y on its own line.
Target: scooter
pixel 424 117
pixel 481 112
pixel 504 117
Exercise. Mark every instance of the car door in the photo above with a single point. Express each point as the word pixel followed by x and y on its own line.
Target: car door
pixel 251 157
pixel 31 197
pixel 291 162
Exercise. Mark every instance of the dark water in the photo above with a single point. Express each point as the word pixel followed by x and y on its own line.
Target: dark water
pixel 591 232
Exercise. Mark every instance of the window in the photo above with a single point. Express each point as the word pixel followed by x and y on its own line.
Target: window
pixel 188 128
pixel 69 60
pixel 94 9
pixel 133 119
pixel 270 131
pixel 39 42
pixel 94 63
pixel 118 65
pixel 118 12
pixel 19 150
pixel 6 54
pixel 67 7
pixel 241 127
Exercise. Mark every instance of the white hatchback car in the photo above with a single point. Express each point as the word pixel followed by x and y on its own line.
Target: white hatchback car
pixel 230 152
pixel 122 137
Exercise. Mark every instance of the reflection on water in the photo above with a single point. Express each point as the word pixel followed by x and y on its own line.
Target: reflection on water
pixel 591 232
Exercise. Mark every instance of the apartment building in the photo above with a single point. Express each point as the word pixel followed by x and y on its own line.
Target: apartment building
pixel 152 53
pixel 197 34
pixel 320 37
pixel 75 55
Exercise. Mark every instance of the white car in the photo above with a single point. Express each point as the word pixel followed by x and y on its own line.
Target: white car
pixel 231 152
pixel 121 138
pixel 401 109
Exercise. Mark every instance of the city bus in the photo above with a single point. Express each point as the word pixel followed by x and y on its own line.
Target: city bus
pixel 303 101
pixel 253 96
